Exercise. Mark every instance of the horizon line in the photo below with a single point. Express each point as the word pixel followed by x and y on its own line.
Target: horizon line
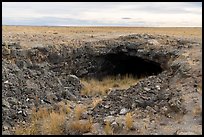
pixel 106 26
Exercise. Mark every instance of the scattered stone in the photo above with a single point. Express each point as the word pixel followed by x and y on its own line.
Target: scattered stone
pixel 19 112
pixel 112 112
pixel 6 82
pixel 6 133
pixel 109 118
pixel 12 100
pixel 163 123
pixel 5 127
pixel 106 106
pixel 6 51
pixel 123 111
pixel 89 133
pixel 146 89
pixel 179 132
pixel 158 87
pixel 5 103
pixel 97 129
pixel 153 42
pixel 27 99
pixel 20 63
pixel 67 94
pixel 116 127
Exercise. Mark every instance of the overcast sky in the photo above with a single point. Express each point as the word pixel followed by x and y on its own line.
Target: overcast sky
pixel 147 14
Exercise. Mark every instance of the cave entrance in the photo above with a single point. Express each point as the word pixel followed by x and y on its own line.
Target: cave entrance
pixel 118 71
pixel 120 64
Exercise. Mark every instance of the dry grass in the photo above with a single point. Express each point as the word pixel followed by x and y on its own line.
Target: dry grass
pixel 40 114
pixel 79 127
pixel 95 102
pixel 108 129
pixel 64 108
pixel 78 110
pixel 129 120
pixel 44 121
pixel 182 31
pixel 31 129
pixel 53 124
pixel 96 87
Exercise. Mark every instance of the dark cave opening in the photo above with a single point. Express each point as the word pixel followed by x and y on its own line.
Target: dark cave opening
pixel 120 64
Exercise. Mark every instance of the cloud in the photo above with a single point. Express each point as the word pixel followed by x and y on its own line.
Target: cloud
pixel 48 21
pixel 166 8
pixel 103 13
pixel 126 18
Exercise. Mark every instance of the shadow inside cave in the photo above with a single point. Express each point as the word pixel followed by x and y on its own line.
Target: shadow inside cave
pixel 120 64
